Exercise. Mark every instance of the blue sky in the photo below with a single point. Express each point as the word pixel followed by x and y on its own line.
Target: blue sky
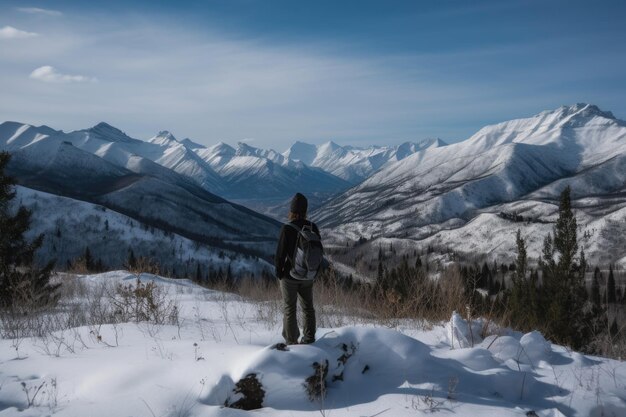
pixel 272 72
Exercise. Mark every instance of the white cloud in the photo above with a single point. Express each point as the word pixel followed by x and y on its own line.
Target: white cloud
pixel 37 10
pixel 49 74
pixel 9 32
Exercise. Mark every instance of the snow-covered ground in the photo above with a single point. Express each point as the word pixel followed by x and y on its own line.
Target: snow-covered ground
pixel 190 368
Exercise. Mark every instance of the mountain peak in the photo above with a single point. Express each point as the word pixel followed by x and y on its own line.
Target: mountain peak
pixel 578 109
pixel 243 149
pixel 108 132
pixel 331 145
pixel 191 144
pixel 166 134
pixel 221 149
pixel 301 151
pixel 329 148
pixel 164 138
pixel 104 126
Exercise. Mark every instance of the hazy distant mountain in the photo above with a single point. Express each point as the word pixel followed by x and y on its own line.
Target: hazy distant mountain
pixel 463 196
pixel 250 173
pixel 351 163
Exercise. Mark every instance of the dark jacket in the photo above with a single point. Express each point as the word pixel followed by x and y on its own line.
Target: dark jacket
pixel 287 246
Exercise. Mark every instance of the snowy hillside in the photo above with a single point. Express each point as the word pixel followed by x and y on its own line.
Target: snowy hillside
pixel 354 164
pixel 453 195
pixel 71 226
pixel 219 349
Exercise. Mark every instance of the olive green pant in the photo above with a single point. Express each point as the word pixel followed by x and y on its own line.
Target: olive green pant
pixel 292 290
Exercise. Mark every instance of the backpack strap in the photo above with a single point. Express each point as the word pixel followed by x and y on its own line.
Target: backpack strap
pixel 298 229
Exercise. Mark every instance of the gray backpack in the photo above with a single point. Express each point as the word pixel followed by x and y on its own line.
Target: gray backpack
pixel 308 256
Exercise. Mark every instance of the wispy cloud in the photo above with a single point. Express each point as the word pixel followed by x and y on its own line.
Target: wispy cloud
pixel 49 74
pixel 9 32
pixel 37 10
pixel 211 85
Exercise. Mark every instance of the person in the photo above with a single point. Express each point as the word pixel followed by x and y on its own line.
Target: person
pixel 292 285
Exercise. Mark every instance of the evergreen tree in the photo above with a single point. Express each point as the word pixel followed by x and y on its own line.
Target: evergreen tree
pixel 610 287
pixel 521 263
pixel 595 288
pixel 563 295
pixel 614 328
pixel 380 276
pixel 198 272
pixel 598 312
pixel 565 239
pixel 89 264
pixel 131 263
pixel 523 297
pixel 21 282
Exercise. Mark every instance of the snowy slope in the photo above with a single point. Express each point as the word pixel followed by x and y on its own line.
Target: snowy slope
pixel 351 163
pixel 448 188
pixel 70 226
pixel 191 369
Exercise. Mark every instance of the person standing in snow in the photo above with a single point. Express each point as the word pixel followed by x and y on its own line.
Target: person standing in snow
pixel 298 258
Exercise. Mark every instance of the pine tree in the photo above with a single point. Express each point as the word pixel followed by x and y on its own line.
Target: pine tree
pixel 564 295
pixel 131 263
pixel 610 287
pixel 565 239
pixel 22 284
pixel 523 298
pixel 614 328
pixel 89 264
pixel 595 288
pixel 521 263
pixel 380 275
pixel 198 272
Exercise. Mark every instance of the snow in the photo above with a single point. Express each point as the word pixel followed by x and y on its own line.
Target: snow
pixel 190 369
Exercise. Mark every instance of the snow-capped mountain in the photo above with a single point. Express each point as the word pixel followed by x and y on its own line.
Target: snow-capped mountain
pixel 458 195
pixel 98 165
pixel 351 163
pixel 252 173
pixel 261 179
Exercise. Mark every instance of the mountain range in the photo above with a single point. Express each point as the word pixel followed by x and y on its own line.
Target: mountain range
pixel 471 197
pixel 468 197
pixel 177 186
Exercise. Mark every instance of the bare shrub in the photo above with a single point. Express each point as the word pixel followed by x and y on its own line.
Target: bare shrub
pixel 143 302
pixel 78 266
pixel 144 265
